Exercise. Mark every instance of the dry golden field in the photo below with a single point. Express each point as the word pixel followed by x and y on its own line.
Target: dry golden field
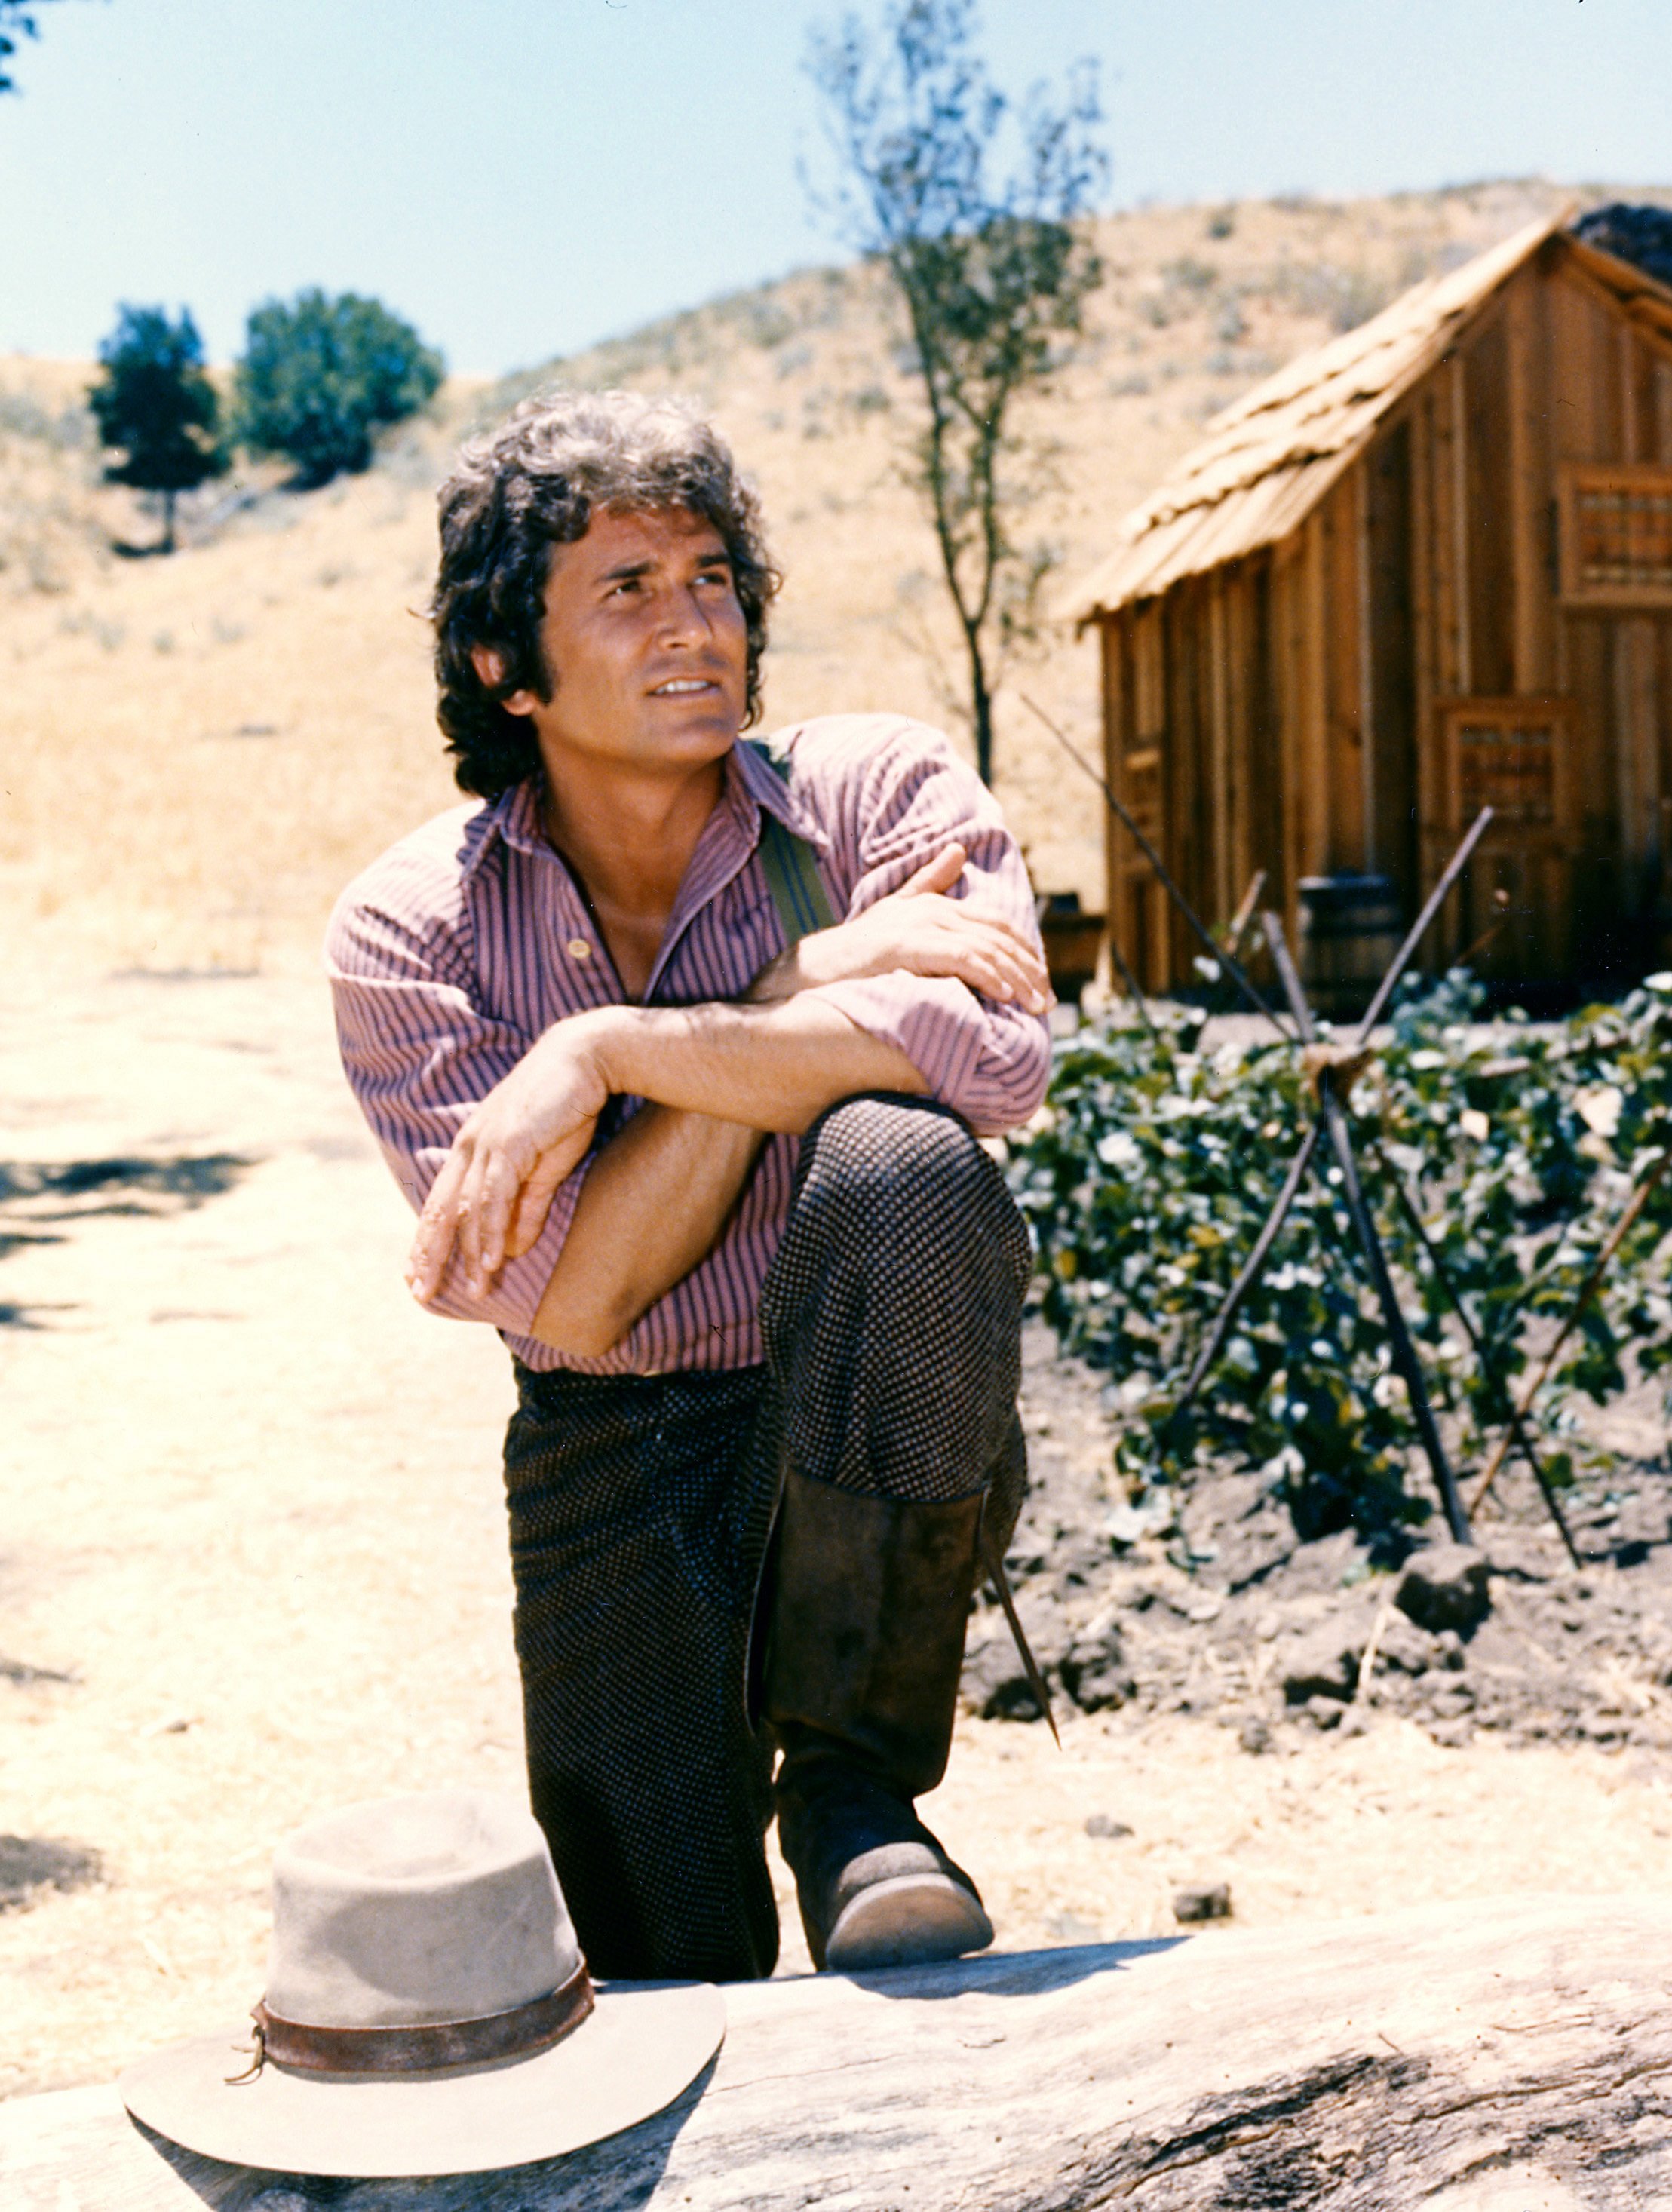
pixel 198 750
pixel 252 1563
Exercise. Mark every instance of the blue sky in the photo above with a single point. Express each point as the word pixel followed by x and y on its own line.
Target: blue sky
pixel 521 176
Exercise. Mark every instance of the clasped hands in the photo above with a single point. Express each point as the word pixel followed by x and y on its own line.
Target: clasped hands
pixel 494 1187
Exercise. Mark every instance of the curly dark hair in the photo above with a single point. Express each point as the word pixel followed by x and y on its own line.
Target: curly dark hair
pixel 535 483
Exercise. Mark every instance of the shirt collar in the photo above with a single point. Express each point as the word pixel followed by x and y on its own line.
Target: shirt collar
pixel 749 778
pixel 752 785
pixel 512 819
pixel 516 817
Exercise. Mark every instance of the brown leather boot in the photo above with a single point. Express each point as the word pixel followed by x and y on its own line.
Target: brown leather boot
pixel 864 1647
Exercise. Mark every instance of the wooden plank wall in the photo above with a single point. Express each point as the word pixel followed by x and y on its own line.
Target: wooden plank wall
pixel 1140 772
pixel 1227 818
pixel 1389 665
pixel 1283 712
pixel 1583 391
pixel 1443 661
pixel 1188 845
pixel 1609 399
pixel 1296 716
pixel 1265 765
pixel 1552 373
pixel 1342 517
pixel 1193 716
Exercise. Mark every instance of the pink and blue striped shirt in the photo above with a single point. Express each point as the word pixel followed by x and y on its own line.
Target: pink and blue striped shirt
pixel 451 954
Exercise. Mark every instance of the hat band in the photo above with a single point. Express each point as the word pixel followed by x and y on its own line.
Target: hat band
pixel 434 2044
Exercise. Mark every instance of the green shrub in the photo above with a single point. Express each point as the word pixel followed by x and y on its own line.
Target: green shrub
pixel 320 377
pixel 1154 1163
pixel 153 403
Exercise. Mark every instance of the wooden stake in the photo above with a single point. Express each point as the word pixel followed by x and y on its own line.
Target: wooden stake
pixel 1286 1197
pixel 1191 916
pixel 1249 1272
pixel 1517 1426
pixel 1245 913
pixel 1250 1269
pixel 1399 1336
pixel 1372 1649
pixel 1418 929
pixel 1587 1290
pixel 1133 991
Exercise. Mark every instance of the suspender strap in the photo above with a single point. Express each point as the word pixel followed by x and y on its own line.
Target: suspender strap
pixel 793 877
pixel 790 867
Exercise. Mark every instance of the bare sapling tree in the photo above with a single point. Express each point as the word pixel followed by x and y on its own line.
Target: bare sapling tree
pixel 977 210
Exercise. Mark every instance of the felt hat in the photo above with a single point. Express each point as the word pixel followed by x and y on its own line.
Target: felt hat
pixel 428 2010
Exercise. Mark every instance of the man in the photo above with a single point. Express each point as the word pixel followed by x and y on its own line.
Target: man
pixel 714 1181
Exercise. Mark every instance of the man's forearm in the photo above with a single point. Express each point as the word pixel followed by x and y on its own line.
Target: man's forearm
pixel 658 1197
pixel 653 1206
pixel 771 1067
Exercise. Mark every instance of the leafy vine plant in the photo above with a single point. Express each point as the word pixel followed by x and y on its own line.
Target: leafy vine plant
pixel 1518 1146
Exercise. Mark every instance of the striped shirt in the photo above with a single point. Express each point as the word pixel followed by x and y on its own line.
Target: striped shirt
pixel 451 954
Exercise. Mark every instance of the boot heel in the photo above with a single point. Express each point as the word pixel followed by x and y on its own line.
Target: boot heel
pixel 907 1920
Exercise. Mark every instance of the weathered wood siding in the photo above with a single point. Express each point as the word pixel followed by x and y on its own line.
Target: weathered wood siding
pixel 1297 710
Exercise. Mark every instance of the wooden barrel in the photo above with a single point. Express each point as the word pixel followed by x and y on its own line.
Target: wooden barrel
pixel 1351 927
pixel 1072 941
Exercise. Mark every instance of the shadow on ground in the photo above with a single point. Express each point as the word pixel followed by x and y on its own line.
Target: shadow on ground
pixel 125 1184
pixel 39 1200
pixel 29 1864
pixel 619 2175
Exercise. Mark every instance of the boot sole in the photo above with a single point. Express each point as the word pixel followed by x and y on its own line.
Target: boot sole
pixel 910 1920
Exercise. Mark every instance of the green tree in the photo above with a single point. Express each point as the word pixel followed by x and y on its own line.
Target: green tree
pixel 153 401
pixel 17 21
pixel 977 211
pixel 320 376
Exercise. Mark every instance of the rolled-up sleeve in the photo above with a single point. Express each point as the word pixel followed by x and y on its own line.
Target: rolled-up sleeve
pixel 419 1054
pixel 988 1059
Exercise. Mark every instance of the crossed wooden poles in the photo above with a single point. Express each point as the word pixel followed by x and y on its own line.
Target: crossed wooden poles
pixel 1334 1074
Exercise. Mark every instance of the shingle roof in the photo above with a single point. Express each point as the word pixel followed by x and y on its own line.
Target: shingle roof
pixel 1275 453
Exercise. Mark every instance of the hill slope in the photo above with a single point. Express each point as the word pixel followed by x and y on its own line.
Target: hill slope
pixel 198 752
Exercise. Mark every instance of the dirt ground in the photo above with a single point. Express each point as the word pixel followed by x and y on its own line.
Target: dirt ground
pixel 254 1566
pixel 1227 1615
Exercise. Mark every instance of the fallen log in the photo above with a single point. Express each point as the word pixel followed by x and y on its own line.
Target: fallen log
pixel 1469 2058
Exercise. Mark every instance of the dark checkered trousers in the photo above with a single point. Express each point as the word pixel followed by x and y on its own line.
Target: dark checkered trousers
pixel 641 1508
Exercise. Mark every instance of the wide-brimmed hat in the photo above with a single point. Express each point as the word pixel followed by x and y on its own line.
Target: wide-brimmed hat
pixel 428 2010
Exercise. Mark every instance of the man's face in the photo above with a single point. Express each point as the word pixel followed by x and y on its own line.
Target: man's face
pixel 646 643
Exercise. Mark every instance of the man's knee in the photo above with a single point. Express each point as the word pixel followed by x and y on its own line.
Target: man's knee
pixel 888 1155
pixel 891 1313
pixel 903 1182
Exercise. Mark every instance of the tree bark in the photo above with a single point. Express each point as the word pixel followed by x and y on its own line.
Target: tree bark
pixel 1467 2058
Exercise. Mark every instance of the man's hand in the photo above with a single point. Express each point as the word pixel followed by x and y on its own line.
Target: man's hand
pixel 919 929
pixel 496 1185
pixel 772 1067
pixel 495 1189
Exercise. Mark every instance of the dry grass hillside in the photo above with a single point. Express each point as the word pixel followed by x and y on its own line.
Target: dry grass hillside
pixel 198 750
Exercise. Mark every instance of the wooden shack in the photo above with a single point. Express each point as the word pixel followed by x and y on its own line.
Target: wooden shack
pixel 1426 566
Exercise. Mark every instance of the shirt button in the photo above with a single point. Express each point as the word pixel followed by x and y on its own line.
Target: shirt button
pixel 578 949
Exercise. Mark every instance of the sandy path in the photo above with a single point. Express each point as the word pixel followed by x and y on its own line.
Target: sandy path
pixel 249 1498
